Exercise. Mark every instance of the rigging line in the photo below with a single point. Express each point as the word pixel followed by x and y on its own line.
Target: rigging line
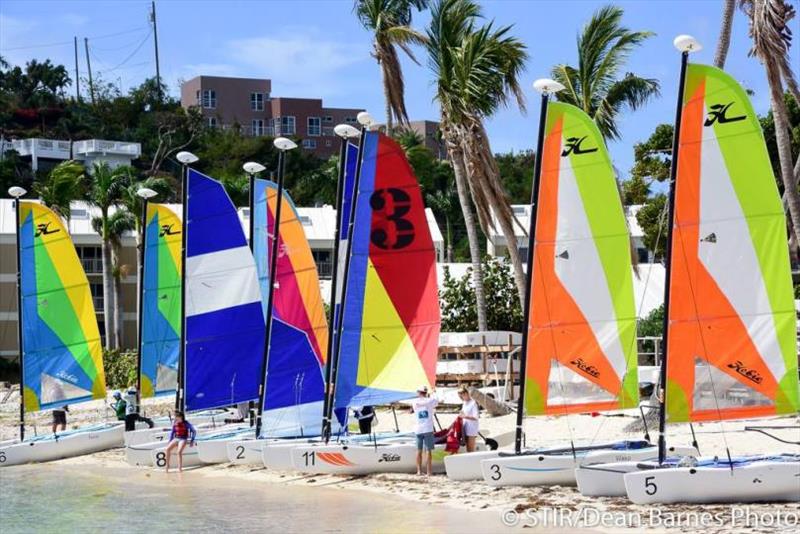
pixel 130 56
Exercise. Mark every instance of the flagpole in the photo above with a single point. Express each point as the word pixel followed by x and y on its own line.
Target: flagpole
pixel 685 44
pixel 145 194
pixel 546 88
pixel 283 145
pixel 365 120
pixel 17 192
pixel 186 159
pixel 345 132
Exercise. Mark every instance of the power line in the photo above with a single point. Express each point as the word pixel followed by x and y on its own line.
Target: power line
pixel 62 43
pixel 130 56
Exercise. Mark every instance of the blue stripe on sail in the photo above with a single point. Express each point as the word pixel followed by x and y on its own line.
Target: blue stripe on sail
pixel 223 353
pixel 212 217
pixel 294 376
pixel 349 180
pixel 346 386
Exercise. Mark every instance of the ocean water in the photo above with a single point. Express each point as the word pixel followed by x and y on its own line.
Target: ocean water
pixel 57 498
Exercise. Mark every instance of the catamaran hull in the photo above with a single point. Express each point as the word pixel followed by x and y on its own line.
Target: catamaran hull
pixel 215 451
pixel 74 443
pixel 141 455
pixel 398 456
pixel 760 481
pixel 606 479
pixel 245 451
pixel 191 458
pixel 278 455
pixel 467 466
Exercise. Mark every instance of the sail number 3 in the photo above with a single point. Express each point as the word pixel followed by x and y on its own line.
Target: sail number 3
pixel 396 226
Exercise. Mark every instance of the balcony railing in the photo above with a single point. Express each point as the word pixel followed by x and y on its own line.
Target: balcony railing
pixel 99 146
pixel 325 269
pixel 42 148
pixel 92 265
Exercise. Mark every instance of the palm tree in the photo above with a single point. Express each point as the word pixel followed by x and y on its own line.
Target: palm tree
pixel 724 41
pixel 106 189
pixel 771 35
pixel 595 85
pixel 482 65
pixel 64 184
pixel 390 22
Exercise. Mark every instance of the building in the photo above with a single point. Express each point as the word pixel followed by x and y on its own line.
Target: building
pixel 496 244
pixel 247 104
pixel 319 224
pixel 47 153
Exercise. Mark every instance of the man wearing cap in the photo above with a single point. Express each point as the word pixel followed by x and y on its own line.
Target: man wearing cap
pixel 132 411
pixel 424 411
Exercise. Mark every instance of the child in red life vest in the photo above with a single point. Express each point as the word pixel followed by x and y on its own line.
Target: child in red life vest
pixel 182 432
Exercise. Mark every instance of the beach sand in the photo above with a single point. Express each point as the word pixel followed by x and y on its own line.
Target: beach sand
pixel 713 438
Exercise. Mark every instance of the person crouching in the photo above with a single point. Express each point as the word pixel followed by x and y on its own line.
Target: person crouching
pixel 182 433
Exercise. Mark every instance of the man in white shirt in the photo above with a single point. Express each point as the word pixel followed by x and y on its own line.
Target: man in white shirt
pixel 424 411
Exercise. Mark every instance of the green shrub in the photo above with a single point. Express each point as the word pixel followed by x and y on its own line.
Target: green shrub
pixel 120 368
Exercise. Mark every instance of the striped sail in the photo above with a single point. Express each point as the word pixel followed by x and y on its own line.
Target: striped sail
pixel 161 301
pixel 224 317
pixel 732 329
pixel 390 323
pixel 581 352
pixel 294 382
pixel 62 352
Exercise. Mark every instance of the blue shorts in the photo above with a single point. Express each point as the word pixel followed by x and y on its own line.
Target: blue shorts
pixel 425 440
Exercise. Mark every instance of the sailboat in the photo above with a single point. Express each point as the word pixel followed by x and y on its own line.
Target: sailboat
pixel 721 176
pixel 730 345
pixel 579 347
pixel 390 321
pixel 61 357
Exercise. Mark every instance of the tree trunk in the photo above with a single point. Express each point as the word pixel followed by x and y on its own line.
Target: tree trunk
pixel 118 322
pixel 449 233
pixel 459 169
pixel 724 41
pixel 783 141
pixel 108 295
pixel 387 102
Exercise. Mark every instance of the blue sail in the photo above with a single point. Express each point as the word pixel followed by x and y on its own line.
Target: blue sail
pixel 224 316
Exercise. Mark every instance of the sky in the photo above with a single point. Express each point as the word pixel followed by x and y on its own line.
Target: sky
pixel 318 49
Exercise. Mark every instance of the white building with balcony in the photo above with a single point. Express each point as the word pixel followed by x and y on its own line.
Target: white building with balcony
pixel 52 152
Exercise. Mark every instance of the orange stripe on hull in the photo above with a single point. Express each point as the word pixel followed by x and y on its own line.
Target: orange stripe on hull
pixel 702 321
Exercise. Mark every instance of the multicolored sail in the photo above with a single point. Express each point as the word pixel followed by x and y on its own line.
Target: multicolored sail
pixel 581 351
pixel 62 352
pixel 732 349
pixel 295 385
pixel 161 313
pixel 391 317
pixel 224 317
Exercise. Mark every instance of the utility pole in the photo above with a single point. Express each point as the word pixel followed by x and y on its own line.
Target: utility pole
pixel 89 68
pixel 155 42
pixel 77 77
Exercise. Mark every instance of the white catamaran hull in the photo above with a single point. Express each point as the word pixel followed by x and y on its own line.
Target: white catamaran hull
pixel 191 458
pixel 606 479
pixel 140 455
pixel 467 466
pixel 399 456
pixel 67 445
pixel 759 481
pixel 245 451
pixel 215 450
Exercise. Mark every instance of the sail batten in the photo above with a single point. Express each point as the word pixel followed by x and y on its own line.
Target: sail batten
pixel 581 352
pixel 732 323
pixel 62 352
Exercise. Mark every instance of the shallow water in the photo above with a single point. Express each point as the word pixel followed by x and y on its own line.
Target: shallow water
pixel 57 498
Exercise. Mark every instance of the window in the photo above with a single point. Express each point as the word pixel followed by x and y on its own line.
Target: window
pixel 257 126
pixel 197 97
pixel 212 122
pixel 520 210
pixel 350 120
pixel 96 289
pixel 314 126
pixel 246 213
pixel 324 262
pixel 257 101
pixel 328 118
pixel 209 99
pixel 523 253
pixel 287 125
pixel 305 220
pixel 309 144
pixel 78 213
pixel 91 259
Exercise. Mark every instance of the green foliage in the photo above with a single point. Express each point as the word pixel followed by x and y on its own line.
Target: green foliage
pixel 457 299
pixel 768 125
pixel 652 325
pixel 516 172
pixel 635 191
pixel 652 218
pixel 14 170
pixel 120 368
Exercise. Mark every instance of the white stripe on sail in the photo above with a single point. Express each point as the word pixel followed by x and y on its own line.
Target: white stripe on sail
pixel 726 250
pixel 582 271
pixel 221 280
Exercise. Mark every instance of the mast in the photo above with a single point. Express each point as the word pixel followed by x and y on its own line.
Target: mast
pixel 365 120
pixel 17 192
pixel 685 44
pixel 186 159
pixel 282 144
pixel 344 131
pixel 545 87
pixel 145 194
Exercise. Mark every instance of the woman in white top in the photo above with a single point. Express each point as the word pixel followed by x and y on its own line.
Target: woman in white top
pixel 469 415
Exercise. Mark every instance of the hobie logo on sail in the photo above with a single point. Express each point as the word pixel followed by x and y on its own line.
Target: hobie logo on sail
pixel 585 367
pixel 574 147
pixel 386 457
pixel 742 369
pixel 44 229
pixel 718 113
pixel 166 229
pixel 66 377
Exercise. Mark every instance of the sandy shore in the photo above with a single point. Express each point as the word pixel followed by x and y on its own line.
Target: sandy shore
pixel 713 438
